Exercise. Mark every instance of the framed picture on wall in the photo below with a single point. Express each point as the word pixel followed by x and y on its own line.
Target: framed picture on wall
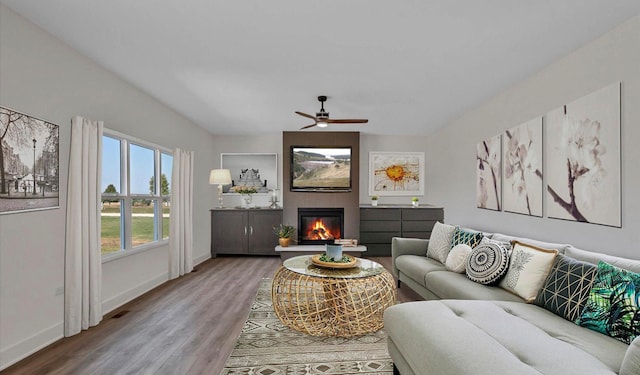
pixel 584 156
pixel 29 163
pixel 522 168
pixel 396 173
pixel 489 174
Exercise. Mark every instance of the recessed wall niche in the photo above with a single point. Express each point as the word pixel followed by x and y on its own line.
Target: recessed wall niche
pixel 265 163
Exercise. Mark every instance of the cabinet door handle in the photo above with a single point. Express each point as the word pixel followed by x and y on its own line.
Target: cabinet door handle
pixel 251 227
pixel 245 230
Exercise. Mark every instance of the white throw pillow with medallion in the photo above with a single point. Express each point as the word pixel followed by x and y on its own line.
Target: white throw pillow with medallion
pixel 440 242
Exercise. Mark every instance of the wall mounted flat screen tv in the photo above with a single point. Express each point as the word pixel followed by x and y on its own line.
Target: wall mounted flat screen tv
pixel 320 168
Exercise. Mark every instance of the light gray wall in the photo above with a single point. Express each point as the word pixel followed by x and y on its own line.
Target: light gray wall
pixel 451 151
pixel 45 78
pixel 369 143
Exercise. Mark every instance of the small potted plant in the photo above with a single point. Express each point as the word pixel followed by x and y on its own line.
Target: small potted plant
pixel 374 200
pixel 246 192
pixel 415 201
pixel 284 233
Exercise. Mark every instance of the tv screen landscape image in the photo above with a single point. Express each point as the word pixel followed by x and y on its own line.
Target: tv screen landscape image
pixel 320 168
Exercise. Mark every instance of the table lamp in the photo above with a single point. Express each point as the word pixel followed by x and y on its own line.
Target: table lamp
pixel 220 177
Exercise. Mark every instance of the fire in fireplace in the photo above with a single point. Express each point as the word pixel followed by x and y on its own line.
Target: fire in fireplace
pixel 320 225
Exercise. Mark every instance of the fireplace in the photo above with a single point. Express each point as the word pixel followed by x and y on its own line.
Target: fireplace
pixel 320 225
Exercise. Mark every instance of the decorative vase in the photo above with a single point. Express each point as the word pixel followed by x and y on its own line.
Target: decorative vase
pixel 374 203
pixel 247 198
pixel 284 242
pixel 334 251
pixel 415 203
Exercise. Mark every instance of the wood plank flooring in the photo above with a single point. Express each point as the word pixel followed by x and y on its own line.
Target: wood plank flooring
pixel 185 326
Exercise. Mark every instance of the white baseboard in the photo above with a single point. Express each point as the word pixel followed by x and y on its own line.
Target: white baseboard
pixel 201 259
pixel 30 345
pixel 135 292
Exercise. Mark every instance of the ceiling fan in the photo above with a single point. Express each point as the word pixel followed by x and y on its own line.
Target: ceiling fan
pixel 321 119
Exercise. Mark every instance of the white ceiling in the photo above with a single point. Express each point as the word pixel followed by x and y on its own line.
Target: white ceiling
pixel 245 66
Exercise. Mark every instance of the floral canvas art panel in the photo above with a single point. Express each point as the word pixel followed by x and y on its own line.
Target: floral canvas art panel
pixel 583 163
pixel 396 173
pixel 489 174
pixel 522 168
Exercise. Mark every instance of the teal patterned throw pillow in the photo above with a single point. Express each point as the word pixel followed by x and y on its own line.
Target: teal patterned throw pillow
pixel 465 237
pixel 613 306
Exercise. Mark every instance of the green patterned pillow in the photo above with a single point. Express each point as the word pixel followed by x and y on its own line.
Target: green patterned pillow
pixel 613 307
pixel 465 237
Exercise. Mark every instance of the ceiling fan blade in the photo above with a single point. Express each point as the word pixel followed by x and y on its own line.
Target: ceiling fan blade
pixel 306 115
pixel 308 126
pixel 347 121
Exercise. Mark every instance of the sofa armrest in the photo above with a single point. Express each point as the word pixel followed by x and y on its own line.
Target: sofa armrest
pixel 631 361
pixel 407 246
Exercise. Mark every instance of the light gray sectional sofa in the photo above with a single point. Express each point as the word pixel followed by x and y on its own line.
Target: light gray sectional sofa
pixel 468 328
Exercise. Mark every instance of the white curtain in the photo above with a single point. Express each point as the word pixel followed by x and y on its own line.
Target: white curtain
pixel 83 267
pixel 180 223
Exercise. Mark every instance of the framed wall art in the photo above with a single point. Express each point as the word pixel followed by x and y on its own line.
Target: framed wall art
pixel 489 174
pixel 522 168
pixel 583 161
pixel 396 173
pixel 29 163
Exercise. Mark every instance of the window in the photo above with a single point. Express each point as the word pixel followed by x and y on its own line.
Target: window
pixel 136 204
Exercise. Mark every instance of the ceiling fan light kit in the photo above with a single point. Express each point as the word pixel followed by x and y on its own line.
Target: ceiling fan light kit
pixel 322 120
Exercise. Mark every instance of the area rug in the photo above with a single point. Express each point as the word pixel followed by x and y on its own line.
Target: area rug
pixel 267 347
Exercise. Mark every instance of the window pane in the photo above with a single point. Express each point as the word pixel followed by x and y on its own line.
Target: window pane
pixel 141 170
pixel 166 167
pixel 143 228
pixel 110 225
pixel 110 165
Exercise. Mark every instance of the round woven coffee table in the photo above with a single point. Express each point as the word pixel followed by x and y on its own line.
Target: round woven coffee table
pixel 332 302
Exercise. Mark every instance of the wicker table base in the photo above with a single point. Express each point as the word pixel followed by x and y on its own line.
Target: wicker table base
pixel 327 306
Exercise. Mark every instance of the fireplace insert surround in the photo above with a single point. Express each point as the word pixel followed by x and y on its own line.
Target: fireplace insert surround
pixel 320 225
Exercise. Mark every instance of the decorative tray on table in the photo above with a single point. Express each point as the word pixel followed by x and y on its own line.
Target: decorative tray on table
pixel 348 261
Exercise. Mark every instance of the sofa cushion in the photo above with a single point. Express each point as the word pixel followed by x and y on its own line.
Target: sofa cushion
pixel 457 258
pixel 529 267
pixel 592 257
pixel 440 241
pixel 416 267
pixel 466 237
pixel 567 287
pixel 613 307
pixel 497 338
pixel 631 361
pixel 506 244
pixel 487 263
pixel 545 245
pixel 449 285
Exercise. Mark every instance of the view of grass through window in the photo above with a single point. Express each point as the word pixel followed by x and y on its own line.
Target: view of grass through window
pixel 142 226
pixel 146 208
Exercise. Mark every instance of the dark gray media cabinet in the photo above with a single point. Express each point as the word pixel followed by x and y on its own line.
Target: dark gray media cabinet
pixel 250 231
pixel 244 231
pixel 378 225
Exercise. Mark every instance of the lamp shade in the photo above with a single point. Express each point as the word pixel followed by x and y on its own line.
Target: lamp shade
pixel 220 177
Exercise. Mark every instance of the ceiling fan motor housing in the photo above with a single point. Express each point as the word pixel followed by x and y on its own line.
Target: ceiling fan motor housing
pixel 322 115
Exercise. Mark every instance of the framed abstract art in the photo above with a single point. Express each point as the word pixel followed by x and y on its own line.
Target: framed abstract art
pixel 396 173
